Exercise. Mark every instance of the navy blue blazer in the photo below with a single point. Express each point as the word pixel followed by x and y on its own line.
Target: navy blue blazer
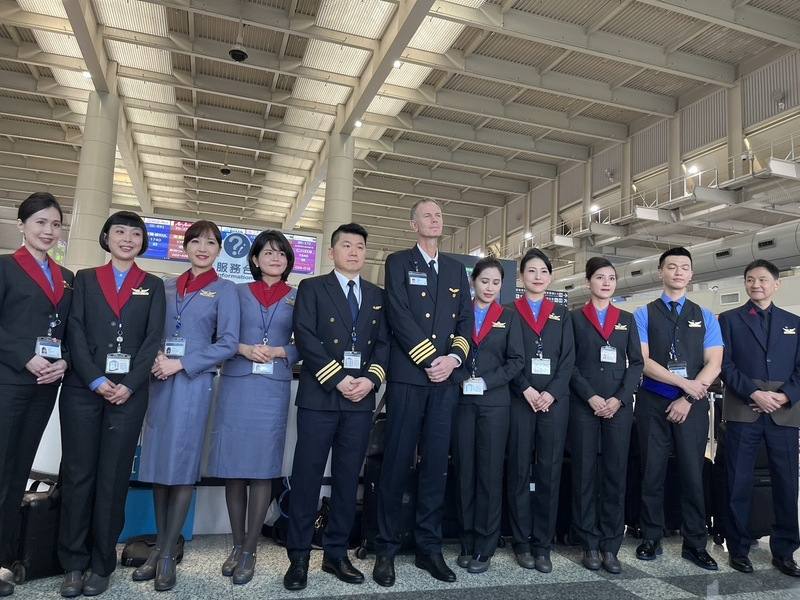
pixel 751 355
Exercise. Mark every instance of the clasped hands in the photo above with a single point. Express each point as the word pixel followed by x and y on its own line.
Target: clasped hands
pixel 538 401
pixel 114 393
pixel 678 409
pixel 441 368
pixel 354 389
pixel 45 371
pixel 767 402
pixel 164 367
pixel 604 407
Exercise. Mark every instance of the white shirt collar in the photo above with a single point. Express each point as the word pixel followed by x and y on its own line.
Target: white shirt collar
pixel 344 280
pixel 426 256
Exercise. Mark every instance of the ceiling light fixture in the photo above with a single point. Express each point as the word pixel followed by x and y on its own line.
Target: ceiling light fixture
pixel 359 124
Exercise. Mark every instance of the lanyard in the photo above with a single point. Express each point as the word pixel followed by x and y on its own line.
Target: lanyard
pixel 179 308
pixel 673 351
pixel 54 322
pixel 266 325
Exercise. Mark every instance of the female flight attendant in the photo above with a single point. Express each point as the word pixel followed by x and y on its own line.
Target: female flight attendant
pixel 608 365
pixel 539 415
pixel 114 332
pixel 479 443
pixel 201 330
pixel 35 297
pixel 249 430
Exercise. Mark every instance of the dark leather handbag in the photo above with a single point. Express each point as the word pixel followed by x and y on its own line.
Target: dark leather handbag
pixel 36 548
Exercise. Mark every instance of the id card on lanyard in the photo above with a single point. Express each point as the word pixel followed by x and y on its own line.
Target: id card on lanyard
pixel 539 364
pixel 265 368
pixel 49 346
pixel 118 363
pixel 175 347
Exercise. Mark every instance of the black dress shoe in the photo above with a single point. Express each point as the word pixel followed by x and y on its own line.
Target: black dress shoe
pixel 245 568
pixel 230 563
pixel 343 569
pixel 166 575
pixel 700 557
pixel 542 563
pixel 591 560
pixel 741 563
pixel 435 565
pixel 383 571
pixel 649 549
pixel 147 571
pixel 479 564
pixel 72 586
pixel 6 588
pixel 525 560
pixel 787 566
pixel 611 563
pixel 95 585
pixel 296 577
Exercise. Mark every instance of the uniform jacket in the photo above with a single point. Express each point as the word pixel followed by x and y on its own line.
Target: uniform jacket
pixel 93 326
pixel 753 361
pixel 278 318
pixel 558 345
pixel 425 322
pixel 322 329
pixel 25 314
pixel 496 355
pixel 593 377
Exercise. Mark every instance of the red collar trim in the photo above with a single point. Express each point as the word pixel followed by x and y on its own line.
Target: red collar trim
pixel 494 312
pixel 267 295
pixel 187 283
pixel 29 264
pixel 117 300
pixel 612 318
pixel 526 313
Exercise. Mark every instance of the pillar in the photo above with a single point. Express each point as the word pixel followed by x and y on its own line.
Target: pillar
pixel 95 182
pixel 627 178
pixel 554 205
pixel 338 190
pixel 674 148
pixel 735 133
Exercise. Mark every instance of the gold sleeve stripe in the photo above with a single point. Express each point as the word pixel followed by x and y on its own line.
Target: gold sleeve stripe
pixel 325 368
pixel 461 343
pixel 330 374
pixel 427 354
pixel 378 372
pixel 378 369
pixel 418 346
pixel 462 348
pixel 424 350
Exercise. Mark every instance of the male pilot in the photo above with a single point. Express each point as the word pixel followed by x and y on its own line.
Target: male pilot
pixel 761 371
pixel 430 317
pixel 341 333
pixel 682 350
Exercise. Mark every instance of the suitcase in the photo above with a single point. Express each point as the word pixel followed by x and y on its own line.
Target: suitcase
pixel 36 548
pixel 137 549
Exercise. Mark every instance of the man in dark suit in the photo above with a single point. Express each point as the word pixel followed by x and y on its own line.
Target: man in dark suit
pixel 341 333
pixel 430 316
pixel 761 371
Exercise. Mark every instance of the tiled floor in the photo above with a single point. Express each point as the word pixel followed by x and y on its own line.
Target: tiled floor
pixel 668 577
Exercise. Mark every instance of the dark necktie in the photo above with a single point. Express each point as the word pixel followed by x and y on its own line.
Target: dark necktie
pixel 673 309
pixel 434 276
pixel 352 300
pixel 764 319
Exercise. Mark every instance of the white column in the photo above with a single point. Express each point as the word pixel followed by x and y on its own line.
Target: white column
pixel 627 178
pixel 95 181
pixel 338 190
pixel 735 132
pixel 674 148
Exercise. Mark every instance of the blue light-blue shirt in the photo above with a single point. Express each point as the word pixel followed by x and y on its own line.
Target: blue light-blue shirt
pixel 119 279
pixel 713 336
pixel 480 317
pixel 45 266
pixel 536 306
pixel 601 316
pixel 343 281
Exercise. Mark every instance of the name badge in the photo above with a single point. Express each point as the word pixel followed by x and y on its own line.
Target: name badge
pixel 473 386
pixel 175 347
pixel 679 368
pixel 540 366
pixel 608 354
pixel 352 360
pixel 266 368
pixel 118 364
pixel 48 347
pixel 417 278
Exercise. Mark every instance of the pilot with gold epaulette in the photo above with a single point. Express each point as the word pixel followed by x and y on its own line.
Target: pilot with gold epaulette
pixel 341 333
pixel 430 316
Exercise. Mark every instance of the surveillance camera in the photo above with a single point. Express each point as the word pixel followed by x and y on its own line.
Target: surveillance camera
pixel 225 170
pixel 238 53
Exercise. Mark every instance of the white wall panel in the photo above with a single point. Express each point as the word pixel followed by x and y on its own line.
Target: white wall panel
pixel 649 147
pixel 704 122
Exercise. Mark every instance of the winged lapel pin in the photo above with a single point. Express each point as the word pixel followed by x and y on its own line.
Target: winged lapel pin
pixel 789 331
pixel 140 291
pixel 695 324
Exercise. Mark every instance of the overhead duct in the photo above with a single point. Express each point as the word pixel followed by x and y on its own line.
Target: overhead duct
pixel 711 260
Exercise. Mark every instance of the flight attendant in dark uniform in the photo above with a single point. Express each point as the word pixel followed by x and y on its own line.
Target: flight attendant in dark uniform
pixel 430 317
pixel 341 332
pixel 479 440
pixel 608 366
pixel 201 330
pixel 35 297
pixel 539 415
pixel 114 333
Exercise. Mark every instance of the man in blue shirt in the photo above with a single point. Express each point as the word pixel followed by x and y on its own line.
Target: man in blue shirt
pixel 682 350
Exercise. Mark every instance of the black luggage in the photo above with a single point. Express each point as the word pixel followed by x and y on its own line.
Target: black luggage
pixel 138 548
pixel 36 548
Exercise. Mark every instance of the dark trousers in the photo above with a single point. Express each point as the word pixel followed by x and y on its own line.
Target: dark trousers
pixel 99 441
pixel 479 446
pixel 417 417
pixel 533 515
pixel 345 434
pixel 24 412
pixel 598 480
pixel 656 438
pixel 742 441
